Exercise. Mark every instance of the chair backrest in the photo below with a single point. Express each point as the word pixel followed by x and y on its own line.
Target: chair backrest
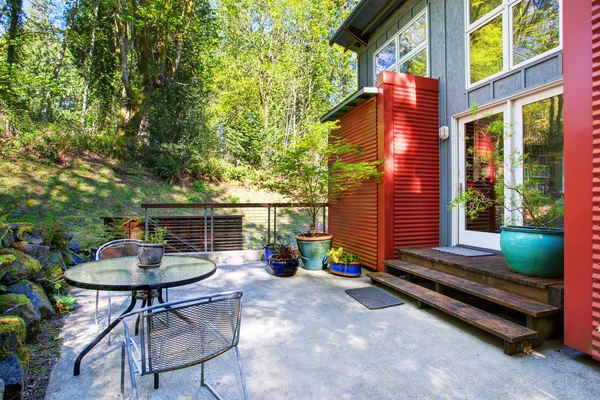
pixel 188 332
pixel 118 248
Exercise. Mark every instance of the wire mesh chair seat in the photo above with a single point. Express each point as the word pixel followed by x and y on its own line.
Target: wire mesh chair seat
pixel 113 249
pixel 182 334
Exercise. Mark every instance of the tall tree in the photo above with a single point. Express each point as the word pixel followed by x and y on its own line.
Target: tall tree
pixel 150 35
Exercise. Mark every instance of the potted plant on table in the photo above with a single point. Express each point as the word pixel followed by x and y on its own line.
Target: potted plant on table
pixel 531 243
pixel 312 170
pixel 344 263
pixel 284 261
pixel 152 250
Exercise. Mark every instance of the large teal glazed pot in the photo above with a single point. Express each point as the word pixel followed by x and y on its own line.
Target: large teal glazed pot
pixel 313 250
pixel 534 252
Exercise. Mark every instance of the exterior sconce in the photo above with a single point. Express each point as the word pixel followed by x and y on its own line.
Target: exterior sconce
pixel 444 133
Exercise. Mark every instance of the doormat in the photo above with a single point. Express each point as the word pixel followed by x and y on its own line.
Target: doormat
pixel 373 298
pixel 462 251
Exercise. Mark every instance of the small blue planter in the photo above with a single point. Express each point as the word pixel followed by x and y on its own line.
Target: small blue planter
pixel 351 270
pixel 270 249
pixel 535 252
pixel 283 267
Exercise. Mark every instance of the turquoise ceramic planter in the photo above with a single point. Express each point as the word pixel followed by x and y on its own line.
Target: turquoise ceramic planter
pixel 534 252
pixel 313 251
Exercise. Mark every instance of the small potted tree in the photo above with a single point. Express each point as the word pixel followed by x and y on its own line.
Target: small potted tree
pixel 284 261
pixel 312 170
pixel 530 243
pixel 344 263
pixel 152 250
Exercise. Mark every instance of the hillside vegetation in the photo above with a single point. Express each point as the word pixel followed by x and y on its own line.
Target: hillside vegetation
pixel 86 188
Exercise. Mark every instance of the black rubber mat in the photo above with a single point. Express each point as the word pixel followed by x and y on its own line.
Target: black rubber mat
pixel 374 298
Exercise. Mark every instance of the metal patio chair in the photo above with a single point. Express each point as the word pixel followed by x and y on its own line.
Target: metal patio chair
pixel 182 334
pixel 113 249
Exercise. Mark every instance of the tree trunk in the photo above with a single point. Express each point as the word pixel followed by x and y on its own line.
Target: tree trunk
pixel 88 75
pixel 16 10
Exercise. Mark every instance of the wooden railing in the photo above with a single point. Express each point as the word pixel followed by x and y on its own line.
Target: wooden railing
pixel 210 232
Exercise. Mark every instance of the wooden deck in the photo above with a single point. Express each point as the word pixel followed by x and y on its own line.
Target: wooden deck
pixel 525 310
pixel 490 270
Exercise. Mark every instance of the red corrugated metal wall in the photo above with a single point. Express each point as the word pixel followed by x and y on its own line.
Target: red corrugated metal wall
pixel 416 162
pixel 353 217
pixel 581 66
pixel 400 125
pixel 596 179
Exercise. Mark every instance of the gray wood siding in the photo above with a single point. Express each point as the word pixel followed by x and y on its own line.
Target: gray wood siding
pixel 447 62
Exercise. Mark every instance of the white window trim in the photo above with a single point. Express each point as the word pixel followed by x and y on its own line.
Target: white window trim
pixel 512 115
pixel 504 10
pixel 412 53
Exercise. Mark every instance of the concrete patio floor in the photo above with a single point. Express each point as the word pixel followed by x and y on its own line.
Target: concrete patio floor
pixel 304 338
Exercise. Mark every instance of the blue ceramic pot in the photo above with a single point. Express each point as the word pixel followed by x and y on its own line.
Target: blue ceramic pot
pixel 270 249
pixel 287 267
pixel 534 252
pixel 350 270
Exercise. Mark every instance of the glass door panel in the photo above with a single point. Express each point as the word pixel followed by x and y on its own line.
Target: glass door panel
pixel 481 171
pixel 543 146
pixel 482 143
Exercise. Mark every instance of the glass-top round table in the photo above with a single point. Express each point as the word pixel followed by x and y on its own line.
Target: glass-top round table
pixel 124 274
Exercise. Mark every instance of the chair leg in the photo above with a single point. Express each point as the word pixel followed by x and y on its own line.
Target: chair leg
pixel 239 359
pixel 156 382
pixel 206 385
pixel 123 370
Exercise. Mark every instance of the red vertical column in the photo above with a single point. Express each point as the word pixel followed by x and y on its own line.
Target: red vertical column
pixel 582 173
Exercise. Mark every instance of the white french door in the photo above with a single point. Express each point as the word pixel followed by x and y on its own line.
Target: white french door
pixel 533 126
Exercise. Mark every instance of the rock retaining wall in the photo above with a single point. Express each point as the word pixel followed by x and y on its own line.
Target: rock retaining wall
pixel 29 271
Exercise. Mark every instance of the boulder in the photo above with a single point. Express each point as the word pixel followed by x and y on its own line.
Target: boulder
pixel 21 228
pixel 74 246
pixel 39 252
pixel 12 336
pixel 5 262
pixel 56 257
pixel 24 267
pixel 6 235
pixel 50 276
pixel 34 293
pixel 13 375
pixel 76 259
pixel 19 305
pixel 33 237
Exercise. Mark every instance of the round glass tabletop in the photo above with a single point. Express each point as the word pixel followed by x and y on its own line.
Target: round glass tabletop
pixel 124 274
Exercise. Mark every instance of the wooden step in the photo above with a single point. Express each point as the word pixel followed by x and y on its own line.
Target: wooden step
pixel 522 304
pixel 516 337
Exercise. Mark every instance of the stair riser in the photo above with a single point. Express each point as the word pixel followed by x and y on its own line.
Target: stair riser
pixel 512 287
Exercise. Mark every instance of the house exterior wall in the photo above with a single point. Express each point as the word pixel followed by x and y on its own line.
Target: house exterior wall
pixel 447 63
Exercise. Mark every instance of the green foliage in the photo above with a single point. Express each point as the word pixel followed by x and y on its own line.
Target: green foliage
pixel 233 199
pixel 55 234
pixel 64 303
pixel 340 256
pixel 313 170
pixel 156 236
pixel 11 300
pixel 200 186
